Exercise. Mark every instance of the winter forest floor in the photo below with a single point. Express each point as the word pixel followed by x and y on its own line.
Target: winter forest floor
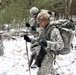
pixel 14 61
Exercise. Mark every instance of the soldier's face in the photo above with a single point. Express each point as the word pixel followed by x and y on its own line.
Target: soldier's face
pixel 44 23
pixel 35 15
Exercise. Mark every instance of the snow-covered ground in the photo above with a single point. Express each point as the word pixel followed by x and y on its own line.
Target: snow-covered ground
pixel 14 61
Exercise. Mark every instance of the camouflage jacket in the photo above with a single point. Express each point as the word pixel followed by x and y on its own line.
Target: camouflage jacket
pixel 55 38
pixel 33 22
pixel 56 43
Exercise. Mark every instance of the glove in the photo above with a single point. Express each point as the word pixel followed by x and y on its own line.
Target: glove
pixel 27 25
pixel 33 28
pixel 43 42
pixel 27 38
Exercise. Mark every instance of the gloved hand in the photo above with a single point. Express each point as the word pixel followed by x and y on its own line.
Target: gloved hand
pixel 33 28
pixel 43 42
pixel 27 38
pixel 27 25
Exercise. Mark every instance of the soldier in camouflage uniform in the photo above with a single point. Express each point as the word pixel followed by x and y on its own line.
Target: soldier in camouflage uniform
pixel 56 43
pixel 1 46
pixel 33 22
pixel 34 12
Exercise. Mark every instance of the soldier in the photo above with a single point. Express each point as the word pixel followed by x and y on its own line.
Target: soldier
pixel 56 43
pixel 34 12
pixel 34 25
pixel 1 46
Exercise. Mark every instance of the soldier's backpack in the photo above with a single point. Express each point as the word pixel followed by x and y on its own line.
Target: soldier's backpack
pixel 67 36
pixel 66 31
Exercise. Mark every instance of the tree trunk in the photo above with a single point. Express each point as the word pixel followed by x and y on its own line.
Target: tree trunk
pixel 70 2
pixel 67 8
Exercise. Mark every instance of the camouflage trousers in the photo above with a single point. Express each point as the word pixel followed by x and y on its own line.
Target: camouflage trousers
pixel 47 66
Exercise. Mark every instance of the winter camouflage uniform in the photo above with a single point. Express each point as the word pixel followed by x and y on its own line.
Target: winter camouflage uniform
pixel 34 50
pixel 1 46
pixel 56 43
pixel 34 23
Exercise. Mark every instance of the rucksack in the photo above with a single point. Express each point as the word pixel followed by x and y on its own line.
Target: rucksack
pixel 69 24
pixel 67 36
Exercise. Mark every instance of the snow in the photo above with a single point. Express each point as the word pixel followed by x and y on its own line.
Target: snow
pixel 15 62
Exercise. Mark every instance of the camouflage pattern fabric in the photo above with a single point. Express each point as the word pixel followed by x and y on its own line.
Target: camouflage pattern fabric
pixel 56 43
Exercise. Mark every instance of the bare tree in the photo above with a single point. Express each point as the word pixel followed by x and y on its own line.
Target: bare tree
pixel 67 8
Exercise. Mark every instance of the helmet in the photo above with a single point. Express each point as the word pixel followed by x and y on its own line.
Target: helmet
pixel 48 11
pixel 44 10
pixel 43 16
pixel 34 10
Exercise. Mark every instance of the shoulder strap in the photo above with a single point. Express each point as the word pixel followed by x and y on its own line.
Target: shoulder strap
pixel 48 30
